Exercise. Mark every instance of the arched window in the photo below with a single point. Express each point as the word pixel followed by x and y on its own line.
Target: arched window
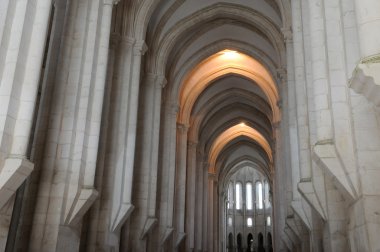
pixel 266 193
pixel 249 222
pixel 268 221
pixel 248 194
pixel 259 195
pixel 230 196
pixel 229 221
pixel 238 196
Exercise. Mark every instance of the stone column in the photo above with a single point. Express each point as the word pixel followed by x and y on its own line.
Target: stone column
pixel 368 23
pixel 191 194
pixel 301 93
pixel 168 176
pixel 211 212
pixel 23 44
pixel 180 195
pixel 366 76
pixel 23 35
pixel 204 205
pixel 66 189
pixel 321 82
pixel 145 188
pixel 128 84
pixel 97 213
pixel 200 173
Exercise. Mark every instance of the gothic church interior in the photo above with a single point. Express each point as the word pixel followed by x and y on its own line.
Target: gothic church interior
pixel 189 125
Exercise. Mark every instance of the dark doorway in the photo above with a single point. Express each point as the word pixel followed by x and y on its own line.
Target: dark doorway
pixel 230 246
pixel 239 243
pixel 260 239
pixel 250 243
pixel 269 242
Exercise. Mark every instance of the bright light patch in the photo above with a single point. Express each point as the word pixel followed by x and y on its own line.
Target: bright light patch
pixel 249 222
pixel 229 221
pixel 230 55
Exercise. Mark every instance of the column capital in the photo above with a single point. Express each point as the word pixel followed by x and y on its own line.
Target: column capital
pixel 161 81
pixel 192 144
pixel 140 48
pixel 173 108
pixel 212 176
pixel 282 74
pixel 129 41
pixel 157 80
pixel 288 34
pixel 182 127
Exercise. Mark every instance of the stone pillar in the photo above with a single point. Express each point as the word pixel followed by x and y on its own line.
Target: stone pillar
pixel 200 173
pixel 211 211
pixel 128 84
pixel 180 195
pixel 191 194
pixel 301 93
pixel 23 43
pixel 168 176
pixel 368 23
pixel 145 189
pixel 321 84
pixel 66 189
pixel 97 212
pixel 204 206
pixel 366 76
pixel 23 35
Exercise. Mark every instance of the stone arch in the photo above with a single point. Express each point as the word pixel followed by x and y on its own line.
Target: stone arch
pixel 233 132
pixel 209 14
pixel 216 67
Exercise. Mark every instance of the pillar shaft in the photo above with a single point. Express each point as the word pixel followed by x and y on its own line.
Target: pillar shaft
pixel 301 93
pixel 321 85
pixel 368 22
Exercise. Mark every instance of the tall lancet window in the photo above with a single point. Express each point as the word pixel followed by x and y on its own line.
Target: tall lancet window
pixel 259 195
pixel 248 195
pixel 230 195
pixel 238 196
pixel 266 193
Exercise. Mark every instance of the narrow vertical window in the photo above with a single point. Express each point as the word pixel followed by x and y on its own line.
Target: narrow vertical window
pixel 238 196
pixel 248 194
pixel 249 222
pixel 268 221
pixel 259 195
pixel 266 193
pixel 229 221
pixel 230 195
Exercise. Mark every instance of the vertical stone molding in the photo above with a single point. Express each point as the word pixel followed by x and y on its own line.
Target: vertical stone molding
pixel 68 175
pixel 86 194
pixel 180 196
pixel 191 183
pixel 128 77
pixel 168 176
pixel 20 66
pixel 23 33
pixel 147 161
